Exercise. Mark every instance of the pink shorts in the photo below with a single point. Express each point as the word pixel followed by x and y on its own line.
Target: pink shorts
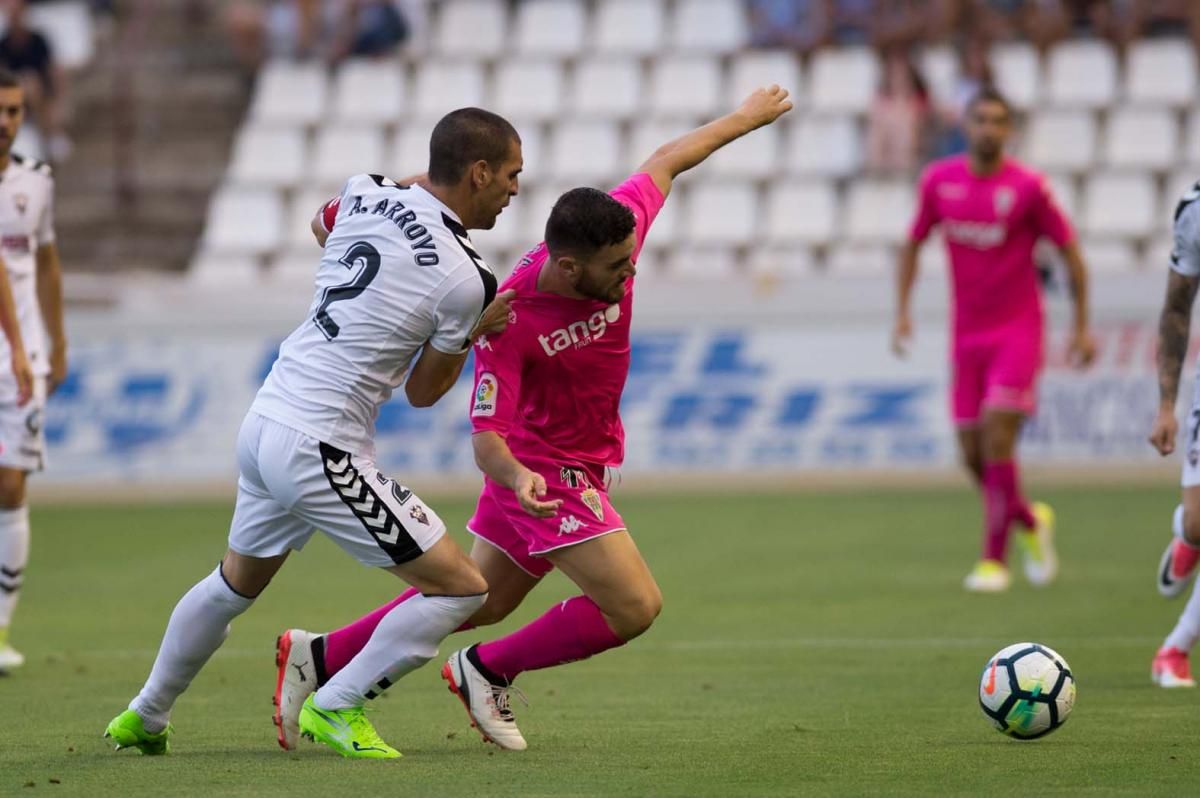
pixel 585 513
pixel 995 372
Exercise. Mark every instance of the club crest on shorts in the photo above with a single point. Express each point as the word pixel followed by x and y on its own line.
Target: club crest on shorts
pixel 418 514
pixel 591 497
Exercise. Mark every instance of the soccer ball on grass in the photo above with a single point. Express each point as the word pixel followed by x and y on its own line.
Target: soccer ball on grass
pixel 1027 690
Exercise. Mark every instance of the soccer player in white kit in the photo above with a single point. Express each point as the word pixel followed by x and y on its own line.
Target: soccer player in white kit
pixel 1170 667
pixel 400 289
pixel 36 346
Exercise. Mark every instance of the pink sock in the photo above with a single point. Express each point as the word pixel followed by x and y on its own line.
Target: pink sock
pixel 343 644
pixel 570 631
pixel 999 498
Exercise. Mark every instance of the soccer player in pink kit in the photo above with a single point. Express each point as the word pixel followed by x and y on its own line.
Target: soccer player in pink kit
pixel 545 413
pixel 992 210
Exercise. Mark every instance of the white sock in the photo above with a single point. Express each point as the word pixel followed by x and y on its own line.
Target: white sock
pixel 197 628
pixel 1177 523
pixel 404 640
pixel 14 554
pixel 1187 628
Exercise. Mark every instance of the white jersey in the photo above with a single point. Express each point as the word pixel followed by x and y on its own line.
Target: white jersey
pixel 1185 254
pixel 399 270
pixel 26 223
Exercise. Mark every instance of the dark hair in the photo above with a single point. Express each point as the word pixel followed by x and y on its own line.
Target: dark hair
pixel 990 94
pixel 9 79
pixel 584 220
pixel 465 136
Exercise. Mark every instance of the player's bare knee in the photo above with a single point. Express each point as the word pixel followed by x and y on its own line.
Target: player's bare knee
pixel 637 614
pixel 12 489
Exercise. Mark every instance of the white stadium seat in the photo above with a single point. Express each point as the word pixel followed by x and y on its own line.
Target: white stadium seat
pixel 304 206
pixel 858 260
pixel 782 263
pixel 1064 193
pixel 829 146
pixel 1018 73
pixel 295 268
pixel 667 229
pixel 1142 139
pixel 346 150
pixel 1158 255
pixel 68 25
pixel 533 153
pixel 1119 204
pixel 243 220
pixel 472 28
pixel 289 93
pixel 702 263
pixel 1062 140
pixel 753 157
pixel 1082 74
pixel 528 89
pixel 843 80
pixel 370 91
pixel 1109 255
pixel 269 156
pixel 939 64
pixel 410 152
pixel 648 136
pixel 507 234
pixel 629 27
pixel 550 27
pixel 1161 72
pixel 721 214
pixel 709 26
pixel 535 210
pixel 585 152
pixel 878 211
pixel 1191 139
pixel 446 86
pixel 801 213
pixel 606 88
pixel 222 271
pixel 757 68
pixel 685 87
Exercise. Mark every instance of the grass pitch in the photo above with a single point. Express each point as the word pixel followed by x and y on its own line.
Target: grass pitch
pixel 810 645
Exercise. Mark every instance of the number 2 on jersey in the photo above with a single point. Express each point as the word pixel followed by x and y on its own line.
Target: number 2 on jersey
pixel 370 258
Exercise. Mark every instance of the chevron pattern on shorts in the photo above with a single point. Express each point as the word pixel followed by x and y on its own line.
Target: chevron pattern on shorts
pixel 366 505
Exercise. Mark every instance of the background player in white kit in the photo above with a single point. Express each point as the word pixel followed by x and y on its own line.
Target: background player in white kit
pixel 400 285
pixel 38 348
pixel 1170 667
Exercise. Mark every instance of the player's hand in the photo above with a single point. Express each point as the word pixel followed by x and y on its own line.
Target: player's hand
pixel 764 106
pixel 530 487
pixel 496 316
pixel 902 335
pixel 1166 428
pixel 24 375
pixel 1081 349
pixel 58 368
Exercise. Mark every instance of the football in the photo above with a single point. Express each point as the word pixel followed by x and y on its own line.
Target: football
pixel 1027 690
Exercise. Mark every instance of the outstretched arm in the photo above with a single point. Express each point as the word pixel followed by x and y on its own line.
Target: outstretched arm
pixel 761 108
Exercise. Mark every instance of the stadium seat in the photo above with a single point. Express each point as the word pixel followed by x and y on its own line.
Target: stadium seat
pixel 585 152
pixel 1018 73
pixel 782 263
pixel 220 271
pixel 243 221
pixel 709 26
pixel 1082 74
pixel 1062 140
pixel 410 152
pixel 1109 255
pixel 843 81
pixel 550 27
pixel 1063 191
pixel 828 146
pixel 752 157
pixel 445 86
pixel 294 268
pixel 1120 204
pixel 1158 255
pixel 685 87
pixel 801 213
pixel 68 25
pixel 535 210
pixel 606 88
pixel 347 150
pixel 1191 140
pixel 666 230
pixel 507 234
pixel 1161 72
pixel 858 260
pixel 757 68
pixel 269 156
pixel 878 211
pixel 939 64
pixel 528 90
pixel 1142 139
pixel 702 263
pixel 533 152
pixel 648 135
pixel 721 214
pixel 370 91
pixel 629 27
pixel 288 93
pixel 472 29
pixel 297 234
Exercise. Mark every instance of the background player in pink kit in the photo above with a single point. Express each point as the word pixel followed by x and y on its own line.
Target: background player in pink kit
pixel 545 413
pixel 992 210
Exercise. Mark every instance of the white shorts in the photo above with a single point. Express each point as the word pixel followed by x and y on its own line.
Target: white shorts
pixel 1191 447
pixel 291 484
pixel 22 432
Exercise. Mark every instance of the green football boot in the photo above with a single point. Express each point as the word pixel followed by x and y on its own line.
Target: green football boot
pixel 127 731
pixel 346 731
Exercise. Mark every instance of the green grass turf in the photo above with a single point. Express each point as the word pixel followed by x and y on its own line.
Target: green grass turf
pixel 810 645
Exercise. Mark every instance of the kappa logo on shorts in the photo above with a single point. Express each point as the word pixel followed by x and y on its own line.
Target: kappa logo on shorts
pixel 570 524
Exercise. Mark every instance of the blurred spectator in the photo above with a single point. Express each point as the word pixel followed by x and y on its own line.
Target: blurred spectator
pixel 905 23
pixel 1164 18
pixel 897 120
pixel 800 25
pixel 974 75
pixel 850 22
pixel 326 29
pixel 28 53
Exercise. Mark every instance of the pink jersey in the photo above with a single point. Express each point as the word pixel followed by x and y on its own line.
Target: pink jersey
pixel 991 225
pixel 551 383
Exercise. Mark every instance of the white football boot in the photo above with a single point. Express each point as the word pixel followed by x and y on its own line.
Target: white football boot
pixel 10 658
pixel 988 576
pixel 295 679
pixel 486 703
